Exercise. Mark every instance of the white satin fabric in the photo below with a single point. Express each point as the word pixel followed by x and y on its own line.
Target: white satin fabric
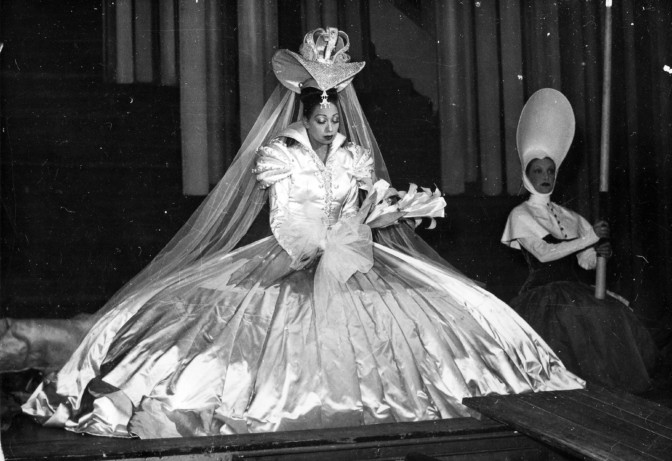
pixel 246 342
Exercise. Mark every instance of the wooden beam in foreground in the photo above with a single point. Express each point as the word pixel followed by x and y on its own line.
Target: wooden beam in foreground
pixel 454 439
pixel 593 423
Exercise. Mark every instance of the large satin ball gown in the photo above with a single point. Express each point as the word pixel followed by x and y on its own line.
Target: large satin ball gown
pixel 245 344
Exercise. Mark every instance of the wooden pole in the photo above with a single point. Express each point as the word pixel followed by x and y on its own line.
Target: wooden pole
pixel 601 272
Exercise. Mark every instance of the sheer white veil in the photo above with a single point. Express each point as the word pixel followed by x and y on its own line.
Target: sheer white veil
pixel 226 214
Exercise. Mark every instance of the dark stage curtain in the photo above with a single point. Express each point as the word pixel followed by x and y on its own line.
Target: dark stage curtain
pixel 492 56
pixel 641 154
pixel 501 52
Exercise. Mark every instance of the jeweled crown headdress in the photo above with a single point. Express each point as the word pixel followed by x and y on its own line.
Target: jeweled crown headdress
pixel 323 60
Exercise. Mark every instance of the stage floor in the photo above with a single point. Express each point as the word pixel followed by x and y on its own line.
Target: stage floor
pixel 589 424
pixel 454 439
pixel 593 423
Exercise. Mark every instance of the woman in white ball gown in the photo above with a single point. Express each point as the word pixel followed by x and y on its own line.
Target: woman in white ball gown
pixel 314 326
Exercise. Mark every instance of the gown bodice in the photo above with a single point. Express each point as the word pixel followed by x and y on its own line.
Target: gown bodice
pixel 552 238
pixel 317 190
pixel 542 273
pixel 308 195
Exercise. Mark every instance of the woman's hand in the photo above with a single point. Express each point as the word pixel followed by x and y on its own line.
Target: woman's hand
pixel 601 228
pixel 603 249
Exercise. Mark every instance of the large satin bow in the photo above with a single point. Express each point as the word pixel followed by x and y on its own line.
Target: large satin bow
pixel 347 248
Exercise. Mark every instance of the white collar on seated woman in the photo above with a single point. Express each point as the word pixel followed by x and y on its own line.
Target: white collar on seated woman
pixel 537 199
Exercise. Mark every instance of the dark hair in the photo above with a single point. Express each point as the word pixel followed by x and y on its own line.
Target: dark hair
pixel 529 164
pixel 312 97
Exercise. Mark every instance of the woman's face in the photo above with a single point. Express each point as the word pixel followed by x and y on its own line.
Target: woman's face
pixel 541 173
pixel 322 125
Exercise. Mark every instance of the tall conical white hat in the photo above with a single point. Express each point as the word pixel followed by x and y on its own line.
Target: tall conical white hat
pixel 546 127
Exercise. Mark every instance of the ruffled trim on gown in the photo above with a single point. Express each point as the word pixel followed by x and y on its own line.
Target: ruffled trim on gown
pixel 238 346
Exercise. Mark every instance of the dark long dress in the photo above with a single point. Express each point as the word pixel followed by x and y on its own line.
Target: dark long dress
pixel 602 341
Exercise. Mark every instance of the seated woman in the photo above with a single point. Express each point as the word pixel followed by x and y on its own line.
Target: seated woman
pixel 314 326
pixel 600 340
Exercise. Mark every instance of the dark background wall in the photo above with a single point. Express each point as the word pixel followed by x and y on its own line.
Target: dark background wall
pixel 91 182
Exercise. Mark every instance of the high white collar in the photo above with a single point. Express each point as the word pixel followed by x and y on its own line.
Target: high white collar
pixel 538 199
pixel 297 131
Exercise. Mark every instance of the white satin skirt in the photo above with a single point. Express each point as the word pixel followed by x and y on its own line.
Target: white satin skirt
pixel 238 345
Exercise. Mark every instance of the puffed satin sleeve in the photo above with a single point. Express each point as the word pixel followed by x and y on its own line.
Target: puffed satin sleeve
pixel 273 164
pixel 299 238
pixel 360 169
pixel 274 171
